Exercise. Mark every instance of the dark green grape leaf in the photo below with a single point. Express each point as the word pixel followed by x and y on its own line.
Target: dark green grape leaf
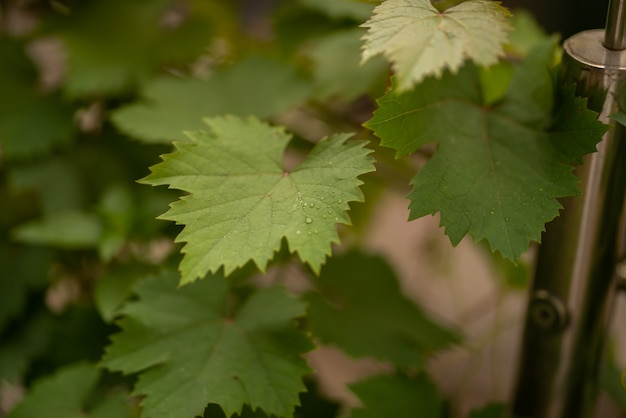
pixel 421 41
pixel 31 122
pixel 66 394
pixel 115 287
pixel 106 58
pixel 341 9
pixel 195 345
pixel 243 201
pixel 56 182
pixel 495 410
pixel 174 105
pixel 498 170
pixel 399 397
pixel 24 269
pixel 360 308
pixel 19 349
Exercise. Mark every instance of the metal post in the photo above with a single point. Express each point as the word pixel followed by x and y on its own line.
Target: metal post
pixel 574 283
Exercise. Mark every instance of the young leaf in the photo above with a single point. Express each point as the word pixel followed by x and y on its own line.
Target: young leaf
pixel 498 169
pixel 171 105
pixel 65 394
pixel 360 308
pixel 192 349
pixel 243 201
pixel 421 41
pixel 398 397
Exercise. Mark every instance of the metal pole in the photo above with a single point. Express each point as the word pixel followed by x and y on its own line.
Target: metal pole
pixel 574 283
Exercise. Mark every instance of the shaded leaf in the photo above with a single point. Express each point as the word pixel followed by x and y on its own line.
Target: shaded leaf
pixel 421 41
pixel 495 410
pixel 65 229
pixel 360 308
pixel 351 9
pixel 399 397
pixel 173 105
pixel 337 71
pixel 31 122
pixel 65 394
pixel 243 201
pixel 105 59
pixel 194 346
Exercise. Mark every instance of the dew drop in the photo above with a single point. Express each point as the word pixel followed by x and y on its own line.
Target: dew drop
pixel 322 198
pixel 308 220
pixel 317 207
pixel 315 231
pixel 298 232
pixel 493 213
pixel 311 204
pixel 324 216
pixel 506 219
pixel 340 201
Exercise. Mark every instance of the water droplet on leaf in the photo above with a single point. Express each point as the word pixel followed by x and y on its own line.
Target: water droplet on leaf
pixel 308 220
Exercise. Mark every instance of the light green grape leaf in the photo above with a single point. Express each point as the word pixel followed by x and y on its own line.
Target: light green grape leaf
pixel 173 105
pixel 341 9
pixel 399 397
pixel 243 201
pixel 497 170
pixel 63 229
pixel 336 68
pixel 421 41
pixel 105 58
pixel 359 307
pixel 197 345
pixel 66 394
pixel 494 410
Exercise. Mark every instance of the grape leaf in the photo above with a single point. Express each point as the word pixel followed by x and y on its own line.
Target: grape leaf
pixel 337 71
pixel 64 229
pixel 66 393
pixel 498 169
pixel 171 105
pixel 193 348
pixel 111 59
pixel 398 397
pixel 360 308
pixel 494 410
pixel 340 9
pixel 24 269
pixel 420 40
pixel 31 122
pixel 243 201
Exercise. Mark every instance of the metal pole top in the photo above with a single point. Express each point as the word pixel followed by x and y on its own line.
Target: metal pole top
pixel 615 34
